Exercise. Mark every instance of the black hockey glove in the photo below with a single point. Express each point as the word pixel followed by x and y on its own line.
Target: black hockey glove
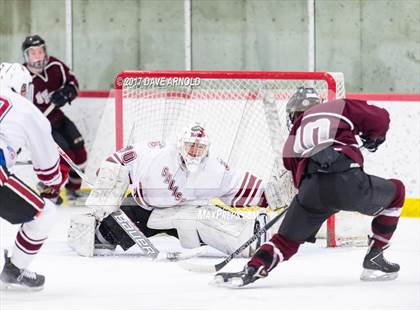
pixel 64 95
pixel 371 144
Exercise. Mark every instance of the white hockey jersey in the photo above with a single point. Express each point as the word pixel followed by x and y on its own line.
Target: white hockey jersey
pixel 159 178
pixel 22 125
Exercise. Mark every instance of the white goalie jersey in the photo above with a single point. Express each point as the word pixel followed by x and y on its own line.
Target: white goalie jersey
pixel 158 178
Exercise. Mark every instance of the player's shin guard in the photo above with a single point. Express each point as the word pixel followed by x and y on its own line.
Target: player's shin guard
pixel 271 253
pixel 31 236
pixel 375 266
pixel 385 223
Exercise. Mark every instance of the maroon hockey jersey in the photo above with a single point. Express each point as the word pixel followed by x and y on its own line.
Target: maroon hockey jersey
pixel 333 123
pixel 53 76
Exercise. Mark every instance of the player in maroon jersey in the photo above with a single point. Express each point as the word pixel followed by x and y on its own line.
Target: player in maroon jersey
pixel 54 86
pixel 327 167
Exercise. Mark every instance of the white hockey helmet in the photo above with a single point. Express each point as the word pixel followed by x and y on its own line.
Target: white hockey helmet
pixel 17 78
pixel 193 146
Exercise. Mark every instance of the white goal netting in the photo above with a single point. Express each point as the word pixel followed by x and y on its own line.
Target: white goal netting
pixel 157 108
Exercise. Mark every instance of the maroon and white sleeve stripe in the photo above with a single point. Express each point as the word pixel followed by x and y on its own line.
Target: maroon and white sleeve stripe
pixel 249 191
pixel 51 175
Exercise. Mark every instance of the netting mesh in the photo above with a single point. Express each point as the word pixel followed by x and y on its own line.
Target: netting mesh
pixel 232 110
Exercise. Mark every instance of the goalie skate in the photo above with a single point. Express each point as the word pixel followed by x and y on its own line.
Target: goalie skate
pixel 76 197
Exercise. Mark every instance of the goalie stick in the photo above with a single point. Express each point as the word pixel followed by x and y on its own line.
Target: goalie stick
pixel 120 217
pixel 164 256
pixel 214 268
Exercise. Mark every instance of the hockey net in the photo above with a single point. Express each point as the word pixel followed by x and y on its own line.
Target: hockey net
pixel 244 114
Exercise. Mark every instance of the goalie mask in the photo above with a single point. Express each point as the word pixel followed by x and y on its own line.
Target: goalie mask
pixel 193 146
pixel 303 99
pixel 35 52
pixel 16 77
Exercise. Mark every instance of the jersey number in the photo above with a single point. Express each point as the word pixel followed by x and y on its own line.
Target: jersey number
pixel 5 107
pixel 311 135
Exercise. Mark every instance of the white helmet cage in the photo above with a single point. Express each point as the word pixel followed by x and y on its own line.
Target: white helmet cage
pixel 39 64
pixel 16 77
pixel 193 146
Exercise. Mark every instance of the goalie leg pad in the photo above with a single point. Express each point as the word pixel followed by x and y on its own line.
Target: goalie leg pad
pixel 221 229
pixel 81 234
pixel 181 219
pixel 110 186
pixel 225 230
pixel 32 235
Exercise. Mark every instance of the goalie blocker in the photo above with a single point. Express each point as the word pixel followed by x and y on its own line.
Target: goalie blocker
pixel 193 225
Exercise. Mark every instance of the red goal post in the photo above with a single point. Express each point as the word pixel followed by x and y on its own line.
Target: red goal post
pixel 152 100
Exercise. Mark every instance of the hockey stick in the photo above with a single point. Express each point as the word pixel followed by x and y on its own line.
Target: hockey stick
pixel 178 256
pixel 214 268
pixel 74 166
pixel 120 217
pixel 50 108
pixel 23 163
pixel 163 256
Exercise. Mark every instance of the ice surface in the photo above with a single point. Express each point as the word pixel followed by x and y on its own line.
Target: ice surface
pixel 316 278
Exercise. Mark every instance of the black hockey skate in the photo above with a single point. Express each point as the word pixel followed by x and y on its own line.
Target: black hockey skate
pixel 376 267
pixel 238 279
pixel 14 278
pixel 102 246
pixel 57 201
pixel 73 194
